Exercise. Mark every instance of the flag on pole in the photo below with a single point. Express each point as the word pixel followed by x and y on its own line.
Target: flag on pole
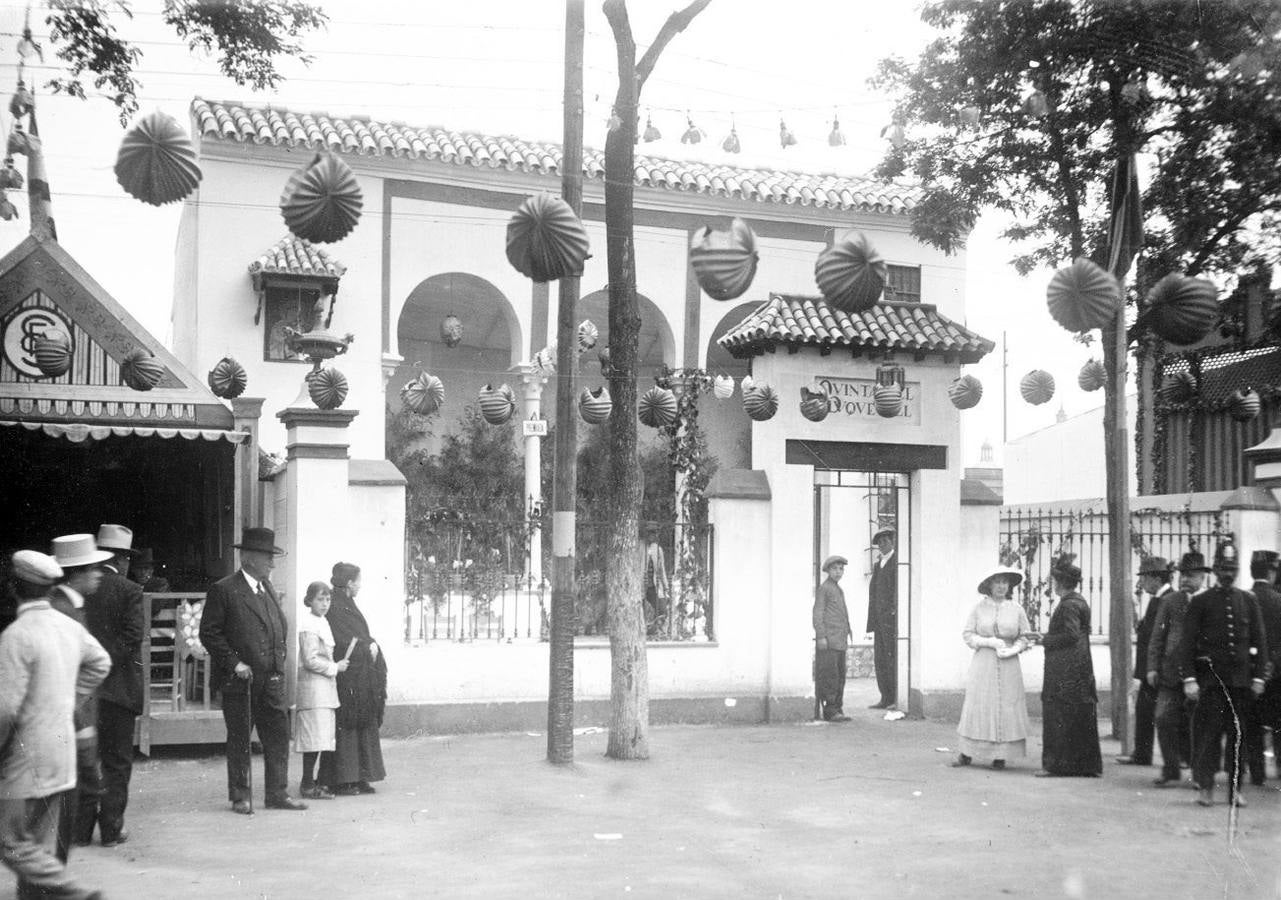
pixel 1125 230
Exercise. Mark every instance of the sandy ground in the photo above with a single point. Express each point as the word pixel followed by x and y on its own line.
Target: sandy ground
pixel 865 809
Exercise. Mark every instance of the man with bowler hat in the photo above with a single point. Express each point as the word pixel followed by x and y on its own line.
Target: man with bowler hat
pixel 1219 672
pixel 1154 580
pixel 244 630
pixel 831 633
pixel 882 617
pixel 1173 726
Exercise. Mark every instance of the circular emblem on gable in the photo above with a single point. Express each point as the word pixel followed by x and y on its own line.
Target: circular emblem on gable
pixel 22 332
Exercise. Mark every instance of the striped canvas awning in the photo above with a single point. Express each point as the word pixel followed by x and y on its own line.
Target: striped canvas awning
pixel 79 432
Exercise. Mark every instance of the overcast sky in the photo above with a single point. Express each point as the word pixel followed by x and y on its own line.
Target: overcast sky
pixel 496 66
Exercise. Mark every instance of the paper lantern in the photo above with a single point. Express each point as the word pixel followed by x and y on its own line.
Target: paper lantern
pixel 10 177
pixel 1182 310
pixel 595 406
pixel 328 388
pixel 850 273
pixel 722 387
pixel 1244 405
pixel 732 144
pixel 724 262
pixel 157 162
pixel 451 331
pixel 141 371
pixel 424 394
pixel 321 202
pixel 545 240
pixel 1034 105
pixel 52 352
pixel 747 384
pixel 1083 296
pixel 228 379
pixel 761 402
pixel 651 133
pixel 965 392
pixel 8 212
pixel 1178 387
pixel 588 335
pixel 1092 376
pixel 814 404
pixel 496 404
pixel 888 400
pixel 1037 387
pixel 657 407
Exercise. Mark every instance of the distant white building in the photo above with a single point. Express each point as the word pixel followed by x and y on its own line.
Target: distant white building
pixel 1064 461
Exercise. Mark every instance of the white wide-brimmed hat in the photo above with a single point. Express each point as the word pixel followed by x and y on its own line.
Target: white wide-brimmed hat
pixel 117 539
pixel 73 550
pixel 986 584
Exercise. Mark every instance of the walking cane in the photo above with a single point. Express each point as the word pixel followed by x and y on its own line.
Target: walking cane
pixel 249 734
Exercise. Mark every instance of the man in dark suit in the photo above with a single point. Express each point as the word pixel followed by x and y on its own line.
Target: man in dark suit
pixel 882 617
pixel 1263 569
pixel 1154 580
pixel 1219 672
pixel 1270 702
pixel 244 630
pixel 114 616
pixel 831 640
pixel 1173 730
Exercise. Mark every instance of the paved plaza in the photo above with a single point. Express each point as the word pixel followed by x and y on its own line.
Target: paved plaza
pixel 866 809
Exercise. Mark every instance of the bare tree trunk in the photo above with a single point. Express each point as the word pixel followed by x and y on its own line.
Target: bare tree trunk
pixel 629 681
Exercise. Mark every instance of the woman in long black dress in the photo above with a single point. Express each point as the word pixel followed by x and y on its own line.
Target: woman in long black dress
pixel 1069 700
pixel 357 759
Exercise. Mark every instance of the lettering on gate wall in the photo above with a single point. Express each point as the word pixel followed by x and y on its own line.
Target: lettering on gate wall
pixel 853 397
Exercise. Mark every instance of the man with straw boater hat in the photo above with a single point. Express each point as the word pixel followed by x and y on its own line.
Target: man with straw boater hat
pixel 49 664
pixel 244 630
pixel 831 640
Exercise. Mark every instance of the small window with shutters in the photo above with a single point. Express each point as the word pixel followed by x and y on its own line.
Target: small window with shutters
pixel 905 282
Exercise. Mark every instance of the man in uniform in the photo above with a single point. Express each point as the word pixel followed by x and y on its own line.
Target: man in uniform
pixel 1154 580
pixel 1219 672
pixel 1173 731
pixel 831 633
pixel 882 617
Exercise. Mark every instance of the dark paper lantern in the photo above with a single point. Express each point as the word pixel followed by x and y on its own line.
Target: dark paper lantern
pixel 545 240
pixel 228 379
pixel 1182 310
pixel 1083 296
pixel 724 262
pixel 1244 405
pixel 423 394
pixel 760 402
pixel 451 331
pixel 157 162
pixel 496 404
pixel 1037 387
pixel 141 371
pixel 850 273
pixel 657 407
pixel 1092 376
pixel 52 351
pixel 321 202
pixel 722 387
pixel 888 400
pixel 1178 387
pixel 328 388
pixel 965 392
pixel 588 335
pixel 814 404
pixel 595 406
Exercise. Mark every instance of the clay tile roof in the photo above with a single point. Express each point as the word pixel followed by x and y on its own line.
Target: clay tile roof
pixel 359 135
pixel 294 256
pixel 888 326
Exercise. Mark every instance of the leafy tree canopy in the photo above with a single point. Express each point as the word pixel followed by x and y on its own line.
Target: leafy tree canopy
pixel 247 37
pixel 1194 88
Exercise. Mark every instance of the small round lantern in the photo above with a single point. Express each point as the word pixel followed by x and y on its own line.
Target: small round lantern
pixel 1092 376
pixel 141 371
pixel 722 387
pixel 724 262
pixel 1037 387
pixel 157 162
pixel 327 388
pixel 545 240
pixel 322 201
pixel 451 331
pixel 424 394
pixel 657 407
pixel 761 402
pixel 888 400
pixel 1178 387
pixel 228 379
pixel 746 384
pixel 595 405
pixel 850 273
pixel 965 392
pixel 588 335
pixel 814 404
pixel 53 353
pixel 496 404
pixel 1244 405
pixel 1182 310
pixel 1083 296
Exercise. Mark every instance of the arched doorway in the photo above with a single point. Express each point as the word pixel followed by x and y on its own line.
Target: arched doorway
pixel 728 429
pixel 656 347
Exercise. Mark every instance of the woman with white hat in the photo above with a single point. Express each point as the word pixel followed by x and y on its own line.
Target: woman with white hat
pixel 994 724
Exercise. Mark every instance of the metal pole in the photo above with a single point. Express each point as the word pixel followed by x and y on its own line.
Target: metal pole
pixel 560 696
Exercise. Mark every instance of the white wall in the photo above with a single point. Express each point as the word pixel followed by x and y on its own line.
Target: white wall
pixel 1064 461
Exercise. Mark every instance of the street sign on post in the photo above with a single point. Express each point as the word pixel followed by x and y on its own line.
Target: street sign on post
pixel 534 427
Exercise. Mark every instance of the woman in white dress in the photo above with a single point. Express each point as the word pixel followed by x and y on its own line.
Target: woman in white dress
pixel 994 724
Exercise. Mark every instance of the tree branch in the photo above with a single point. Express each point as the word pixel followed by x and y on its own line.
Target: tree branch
pixel 675 24
pixel 1228 227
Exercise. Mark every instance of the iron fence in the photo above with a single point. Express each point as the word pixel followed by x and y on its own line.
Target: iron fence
pixel 471 580
pixel 1031 538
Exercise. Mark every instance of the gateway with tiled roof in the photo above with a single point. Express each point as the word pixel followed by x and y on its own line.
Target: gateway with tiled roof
pixel 294 256
pixel 889 326
pixel 361 135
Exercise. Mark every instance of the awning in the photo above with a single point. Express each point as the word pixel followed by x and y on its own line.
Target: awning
pixel 78 432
